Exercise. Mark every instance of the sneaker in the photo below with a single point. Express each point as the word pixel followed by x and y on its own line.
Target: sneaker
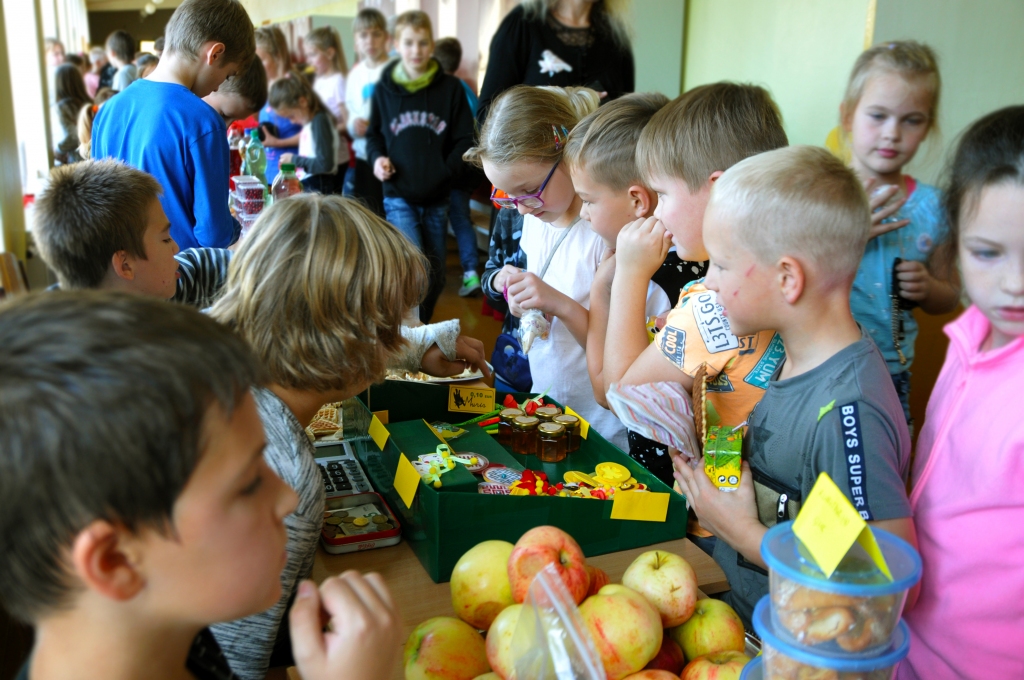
pixel 470 285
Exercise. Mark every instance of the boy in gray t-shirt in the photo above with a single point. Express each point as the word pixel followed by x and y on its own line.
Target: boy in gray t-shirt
pixel 785 231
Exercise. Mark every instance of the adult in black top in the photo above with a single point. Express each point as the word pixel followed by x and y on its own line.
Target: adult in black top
pixel 541 50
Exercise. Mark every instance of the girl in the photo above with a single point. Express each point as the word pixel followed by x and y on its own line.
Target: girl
pixel 280 134
pixel 966 490
pixel 327 57
pixel 521 152
pixel 890 107
pixel 318 291
pixel 71 97
pixel 320 148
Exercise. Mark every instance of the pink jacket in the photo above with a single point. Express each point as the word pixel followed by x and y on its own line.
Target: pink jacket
pixel 968 503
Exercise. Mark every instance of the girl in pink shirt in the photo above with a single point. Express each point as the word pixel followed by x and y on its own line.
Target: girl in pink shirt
pixel 968 480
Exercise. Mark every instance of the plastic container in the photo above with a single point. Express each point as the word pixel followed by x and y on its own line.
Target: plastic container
pixel 246 221
pixel 786 661
pixel 248 195
pixel 255 157
pixel 753 670
pixel 286 183
pixel 853 613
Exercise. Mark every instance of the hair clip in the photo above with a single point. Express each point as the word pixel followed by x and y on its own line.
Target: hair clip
pixel 95 109
pixel 560 139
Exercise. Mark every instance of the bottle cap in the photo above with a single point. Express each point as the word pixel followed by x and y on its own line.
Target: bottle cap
pixel 287 167
pixel 255 134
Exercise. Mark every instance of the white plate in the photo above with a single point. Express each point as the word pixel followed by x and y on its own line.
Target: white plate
pixel 465 376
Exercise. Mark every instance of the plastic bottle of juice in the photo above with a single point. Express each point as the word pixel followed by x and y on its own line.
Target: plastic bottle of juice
pixel 286 183
pixel 256 157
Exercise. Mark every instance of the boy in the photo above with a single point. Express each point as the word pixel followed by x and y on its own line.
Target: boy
pixel 420 125
pixel 371 34
pixel 448 53
pixel 601 152
pixel 135 503
pixel 242 96
pixel 99 224
pixel 162 126
pixel 120 52
pixel 785 231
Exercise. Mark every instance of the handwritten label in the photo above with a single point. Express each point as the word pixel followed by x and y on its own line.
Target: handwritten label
pixel 407 481
pixel 470 399
pixel 378 432
pixel 584 425
pixel 644 506
pixel 828 525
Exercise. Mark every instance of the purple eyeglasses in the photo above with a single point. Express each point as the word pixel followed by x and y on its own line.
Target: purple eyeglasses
pixel 531 201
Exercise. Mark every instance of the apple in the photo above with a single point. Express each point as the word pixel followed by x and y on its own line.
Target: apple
pixel 540 547
pixel 598 579
pixel 669 658
pixel 445 648
pixel 488 676
pixel 625 627
pixel 717 666
pixel 714 627
pixel 479 585
pixel 652 675
pixel 667 581
pixel 499 640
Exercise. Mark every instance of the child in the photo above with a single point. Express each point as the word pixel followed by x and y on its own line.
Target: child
pixel 602 156
pixel 71 97
pixel 120 52
pixel 448 53
pixel 522 152
pixel 281 136
pixel 420 126
pixel 325 53
pixel 319 291
pixel 146 64
pixel 371 34
pixel 321 152
pixel 135 504
pixel 99 224
pixel 890 107
pixel 242 96
pixel 86 117
pixel 967 499
pixel 98 58
pixel 785 231
pixel 162 125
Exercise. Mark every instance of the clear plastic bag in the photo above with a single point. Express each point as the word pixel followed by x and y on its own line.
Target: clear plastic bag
pixel 551 642
pixel 533 326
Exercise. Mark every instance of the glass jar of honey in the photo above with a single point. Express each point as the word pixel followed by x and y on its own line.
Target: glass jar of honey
pixel 572 430
pixel 524 435
pixel 553 445
pixel 505 419
pixel 547 413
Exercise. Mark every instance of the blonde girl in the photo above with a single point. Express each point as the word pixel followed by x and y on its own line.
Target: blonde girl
pixel 891 105
pixel 281 136
pixel 324 52
pixel 521 150
pixel 320 151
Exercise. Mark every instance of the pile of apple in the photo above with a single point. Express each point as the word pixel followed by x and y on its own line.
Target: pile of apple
pixel 645 629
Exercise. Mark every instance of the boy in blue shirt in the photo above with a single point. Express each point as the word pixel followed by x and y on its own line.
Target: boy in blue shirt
pixel 162 126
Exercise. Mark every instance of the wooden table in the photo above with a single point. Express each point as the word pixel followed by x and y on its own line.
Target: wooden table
pixel 419 598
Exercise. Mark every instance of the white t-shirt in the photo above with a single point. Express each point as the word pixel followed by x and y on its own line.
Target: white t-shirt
pixel 358 95
pixel 331 89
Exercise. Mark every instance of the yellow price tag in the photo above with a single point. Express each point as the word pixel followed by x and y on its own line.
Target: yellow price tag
pixel 828 525
pixel 407 481
pixel 645 506
pixel 378 433
pixel 470 399
pixel 584 425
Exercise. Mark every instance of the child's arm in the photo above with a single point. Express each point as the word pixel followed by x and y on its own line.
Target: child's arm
pixel 325 160
pixel 462 133
pixel 376 146
pixel 203 273
pixel 600 295
pixel 652 366
pixel 503 257
pixel 215 228
pixel 276 142
pixel 527 291
pixel 935 295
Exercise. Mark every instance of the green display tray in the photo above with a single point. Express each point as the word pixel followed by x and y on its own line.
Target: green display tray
pixel 444 523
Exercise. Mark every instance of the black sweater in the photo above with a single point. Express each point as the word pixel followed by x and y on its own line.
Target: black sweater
pixel 517 57
pixel 424 134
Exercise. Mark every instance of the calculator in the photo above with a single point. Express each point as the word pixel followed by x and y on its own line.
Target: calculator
pixel 340 471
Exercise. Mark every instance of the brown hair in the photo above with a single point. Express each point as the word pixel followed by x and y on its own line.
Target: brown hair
pixel 413 19
pixel 250 84
pixel 611 15
pixel 122 44
pixel 89 211
pixel 369 18
pixel 287 92
pixel 327 38
pixel 604 143
pixel 710 128
pixel 319 288
pixel 907 58
pixel 272 40
pixel 448 52
pixel 69 87
pixel 199 21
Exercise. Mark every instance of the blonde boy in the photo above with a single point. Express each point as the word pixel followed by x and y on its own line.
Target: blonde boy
pixel 785 231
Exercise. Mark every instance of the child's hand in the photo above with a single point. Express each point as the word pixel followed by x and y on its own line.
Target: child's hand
pixel 527 291
pixel 501 278
pixel 915 280
pixel 360 126
pixel 469 353
pixel 877 228
pixel 383 169
pixel 605 273
pixel 728 515
pixel 641 247
pixel 365 629
pixel 286 158
pixel 269 139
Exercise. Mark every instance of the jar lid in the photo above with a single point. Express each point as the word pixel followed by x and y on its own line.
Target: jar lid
pixel 567 419
pixel 512 412
pixel 525 421
pixel 898 647
pixel 549 410
pixel 553 429
pixel 856 575
pixel 754 670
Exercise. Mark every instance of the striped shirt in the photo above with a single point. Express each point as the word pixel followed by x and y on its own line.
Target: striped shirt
pixel 203 273
pixel 248 642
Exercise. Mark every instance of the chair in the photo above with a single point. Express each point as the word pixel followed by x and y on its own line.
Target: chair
pixel 12 275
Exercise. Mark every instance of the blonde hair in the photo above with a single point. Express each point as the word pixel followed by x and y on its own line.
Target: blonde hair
pixel 271 39
pixel 531 123
pixel 369 18
pixel 797 200
pixel 604 143
pixel 707 129
pixel 906 58
pixel 86 116
pixel 327 38
pixel 318 290
pixel 413 19
pixel 614 14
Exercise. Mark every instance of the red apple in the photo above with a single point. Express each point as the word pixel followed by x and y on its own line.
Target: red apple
pixel 480 587
pixel 445 648
pixel 718 666
pixel 652 675
pixel 670 657
pixel 540 547
pixel 625 628
pixel 667 581
pixel 714 627
pixel 598 579
pixel 488 676
pixel 499 640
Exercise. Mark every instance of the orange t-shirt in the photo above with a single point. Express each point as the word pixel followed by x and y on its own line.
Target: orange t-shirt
pixel 739 368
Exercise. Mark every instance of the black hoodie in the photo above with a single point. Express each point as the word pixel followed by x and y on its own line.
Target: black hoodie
pixel 424 133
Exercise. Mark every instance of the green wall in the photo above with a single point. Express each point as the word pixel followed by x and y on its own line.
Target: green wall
pixel 658 27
